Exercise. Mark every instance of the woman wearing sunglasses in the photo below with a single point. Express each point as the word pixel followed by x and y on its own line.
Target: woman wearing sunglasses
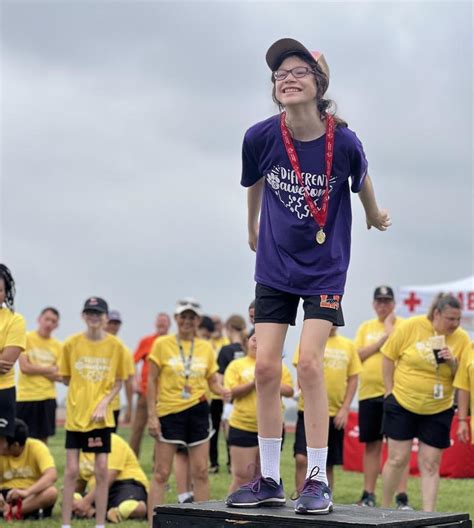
pixel 181 368
pixel 299 167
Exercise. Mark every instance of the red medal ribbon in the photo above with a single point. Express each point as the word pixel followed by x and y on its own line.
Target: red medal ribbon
pixel 319 214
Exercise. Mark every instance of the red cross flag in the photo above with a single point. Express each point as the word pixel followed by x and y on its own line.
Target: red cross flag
pixel 416 300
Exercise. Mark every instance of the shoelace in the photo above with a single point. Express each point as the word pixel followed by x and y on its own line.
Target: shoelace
pixel 254 485
pixel 19 513
pixel 310 485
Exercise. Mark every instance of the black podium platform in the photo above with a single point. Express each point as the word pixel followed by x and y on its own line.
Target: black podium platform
pixel 216 515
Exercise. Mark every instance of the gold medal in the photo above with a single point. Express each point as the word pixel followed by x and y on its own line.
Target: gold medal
pixel 320 237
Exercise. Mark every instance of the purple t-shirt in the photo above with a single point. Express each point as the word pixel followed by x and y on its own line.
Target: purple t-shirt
pixel 288 257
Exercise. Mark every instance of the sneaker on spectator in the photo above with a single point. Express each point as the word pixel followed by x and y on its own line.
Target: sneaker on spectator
pixel 401 501
pixel 315 496
pixel 367 499
pixel 259 492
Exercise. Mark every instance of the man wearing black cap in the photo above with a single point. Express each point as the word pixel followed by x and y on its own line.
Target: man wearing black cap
pixel 92 365
pixel 369 340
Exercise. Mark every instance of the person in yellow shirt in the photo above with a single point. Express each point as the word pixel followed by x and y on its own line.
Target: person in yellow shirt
pixel 235 329
pixel 182 367
pixel 239 377
pixel 369 340
pixel 464 382
pixel 419 364
pixel 127 484
pixel 114 323
pixel 36 399
pixel 92 365
pixel 12 343
pixel 27 477
pixel 342 367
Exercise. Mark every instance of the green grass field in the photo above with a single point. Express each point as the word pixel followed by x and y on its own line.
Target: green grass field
pixel 456 495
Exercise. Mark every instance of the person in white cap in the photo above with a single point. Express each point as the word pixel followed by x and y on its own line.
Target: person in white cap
pixel 297 166
pixel 181 369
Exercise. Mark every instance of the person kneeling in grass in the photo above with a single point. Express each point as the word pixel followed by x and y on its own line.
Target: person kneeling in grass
pixel 27 476
pixel 127 485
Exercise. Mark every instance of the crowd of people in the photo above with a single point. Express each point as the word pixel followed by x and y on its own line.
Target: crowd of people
pixel 192 384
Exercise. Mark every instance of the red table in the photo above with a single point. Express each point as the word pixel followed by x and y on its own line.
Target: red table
pixel 457 461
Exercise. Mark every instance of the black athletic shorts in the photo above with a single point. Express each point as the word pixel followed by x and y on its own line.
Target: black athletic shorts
pixel 188 428
pixel 7 411
pixel 431 429
pixel 122 490
pixel 335 441
pixel 275 306
pixel 241 438
pixel 39 416
pixel 370 419
pixel 116 419
pixel 95 441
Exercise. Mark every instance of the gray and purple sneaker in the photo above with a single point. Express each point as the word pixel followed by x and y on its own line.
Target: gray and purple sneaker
pixel 315 497
pixel 260 492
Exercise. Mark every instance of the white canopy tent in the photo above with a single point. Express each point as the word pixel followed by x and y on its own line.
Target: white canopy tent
pixel 415 300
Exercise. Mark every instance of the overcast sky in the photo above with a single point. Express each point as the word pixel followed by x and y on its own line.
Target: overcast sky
pixel 121 131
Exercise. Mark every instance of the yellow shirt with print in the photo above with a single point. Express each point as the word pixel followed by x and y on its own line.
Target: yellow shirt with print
pixel 12 333
pixel 121 459
pixel 415 374
pixel 371 378
pixel 43 353
pixel 171 380
pixel 341 361
pixel 244 411
pixel 129 370
pixel 217 344
pixel 23 471
pixel 93 368
pixel 465 380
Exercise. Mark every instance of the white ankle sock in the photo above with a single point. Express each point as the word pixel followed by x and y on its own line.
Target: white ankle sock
pixel 317 457
pixel 270 449
pixel 183 496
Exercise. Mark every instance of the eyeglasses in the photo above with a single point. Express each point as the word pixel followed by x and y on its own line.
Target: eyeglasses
pixel 92 312
pixel 298 72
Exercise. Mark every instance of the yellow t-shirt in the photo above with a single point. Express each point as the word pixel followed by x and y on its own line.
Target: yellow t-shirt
pixel 465 380
pixel 371 378
pixel 44 353
pixel 23 471
pixel 171 380
pixel 244 411
pixel 93 368
pixel 130 371
pixel 415 377
pixel 217 344
pixel 341 361
pixel 12 333
pixel 121 459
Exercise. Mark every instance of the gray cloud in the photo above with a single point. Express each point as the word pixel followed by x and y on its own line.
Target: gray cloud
pixel 121 132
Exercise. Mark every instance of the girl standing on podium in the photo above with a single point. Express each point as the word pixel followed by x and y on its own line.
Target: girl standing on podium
pixel 297 166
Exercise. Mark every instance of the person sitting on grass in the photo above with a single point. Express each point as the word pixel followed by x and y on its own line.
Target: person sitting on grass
pixel 27 476
pixel 127 483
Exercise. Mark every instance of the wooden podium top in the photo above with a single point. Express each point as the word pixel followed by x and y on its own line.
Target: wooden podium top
pixel 216 514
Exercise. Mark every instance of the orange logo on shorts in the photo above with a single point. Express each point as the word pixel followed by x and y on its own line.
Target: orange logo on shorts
pixel 94 442
pixel 330 301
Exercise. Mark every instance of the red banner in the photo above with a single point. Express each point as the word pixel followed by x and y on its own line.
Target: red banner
pixel 457 461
